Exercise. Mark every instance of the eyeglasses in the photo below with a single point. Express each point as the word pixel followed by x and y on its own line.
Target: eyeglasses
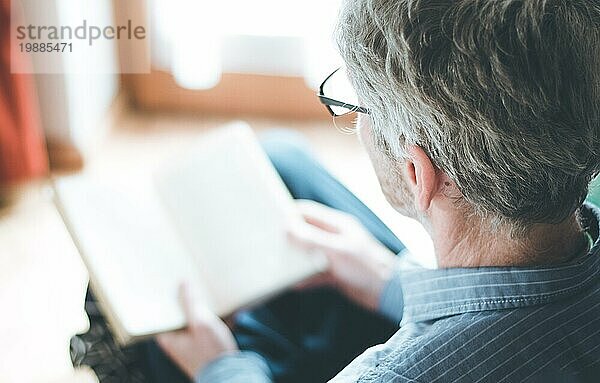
pixel 335 88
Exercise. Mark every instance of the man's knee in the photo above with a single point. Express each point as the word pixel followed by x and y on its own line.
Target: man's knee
pixel 289 152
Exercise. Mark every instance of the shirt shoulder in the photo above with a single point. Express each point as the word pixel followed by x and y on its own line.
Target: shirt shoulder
pixel 506 345
pixel 430 351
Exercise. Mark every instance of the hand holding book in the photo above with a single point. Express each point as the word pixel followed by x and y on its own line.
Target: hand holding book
pixel 204 339
pixel 214 216
pixel 359 266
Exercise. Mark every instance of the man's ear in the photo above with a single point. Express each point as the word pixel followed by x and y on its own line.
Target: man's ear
pixel 422 177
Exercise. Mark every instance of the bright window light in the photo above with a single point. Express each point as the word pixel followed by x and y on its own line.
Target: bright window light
pixel 198 40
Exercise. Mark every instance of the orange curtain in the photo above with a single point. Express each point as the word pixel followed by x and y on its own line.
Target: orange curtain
pixel 22 149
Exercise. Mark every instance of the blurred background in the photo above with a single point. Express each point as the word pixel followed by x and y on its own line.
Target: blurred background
pixel 211 62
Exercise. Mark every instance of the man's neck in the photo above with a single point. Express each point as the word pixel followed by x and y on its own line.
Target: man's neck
pixel 465 244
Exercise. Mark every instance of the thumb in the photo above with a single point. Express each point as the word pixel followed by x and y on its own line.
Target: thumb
pixel 166 339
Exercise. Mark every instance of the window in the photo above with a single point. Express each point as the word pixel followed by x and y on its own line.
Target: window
pixel 234 57
pixel 199 40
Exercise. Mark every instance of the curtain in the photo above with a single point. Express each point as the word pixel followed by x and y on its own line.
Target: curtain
pixel 22 149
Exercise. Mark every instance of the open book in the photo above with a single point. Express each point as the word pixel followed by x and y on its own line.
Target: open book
pixel 215 217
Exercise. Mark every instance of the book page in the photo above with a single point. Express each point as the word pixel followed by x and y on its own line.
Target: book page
pixel 231 208
pixel 135 259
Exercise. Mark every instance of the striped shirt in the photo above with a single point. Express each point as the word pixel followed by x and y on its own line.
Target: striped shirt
pixel 489 324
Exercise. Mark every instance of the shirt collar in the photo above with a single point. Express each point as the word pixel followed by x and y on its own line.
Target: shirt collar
pixel 433 294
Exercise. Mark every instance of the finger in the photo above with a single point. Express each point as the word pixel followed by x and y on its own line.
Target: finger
pixel 168 340
pixel 321 224
pixel 324 217
pixel 320 215
pixel 313 239
pixel 319 280
pixel 164 340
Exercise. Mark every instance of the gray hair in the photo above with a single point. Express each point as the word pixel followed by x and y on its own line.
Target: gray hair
pixel 503 95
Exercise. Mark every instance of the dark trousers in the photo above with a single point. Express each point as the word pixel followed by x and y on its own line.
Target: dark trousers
pixel 305 336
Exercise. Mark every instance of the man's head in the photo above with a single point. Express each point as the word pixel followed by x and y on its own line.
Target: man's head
pixel 501 96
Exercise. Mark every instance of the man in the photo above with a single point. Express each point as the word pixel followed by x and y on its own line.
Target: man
pixel 481 119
